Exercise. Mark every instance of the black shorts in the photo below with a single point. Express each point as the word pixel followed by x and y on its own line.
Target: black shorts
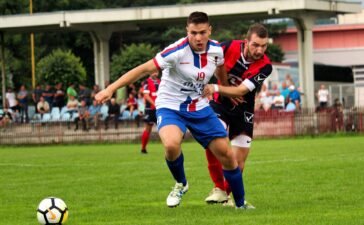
pixel 239 120
pixel 150 116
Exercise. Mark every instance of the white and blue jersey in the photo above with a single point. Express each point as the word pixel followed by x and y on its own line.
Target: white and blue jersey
pixel 185 73
pixel 184 76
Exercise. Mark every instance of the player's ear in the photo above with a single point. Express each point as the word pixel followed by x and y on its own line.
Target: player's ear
pixel 210 30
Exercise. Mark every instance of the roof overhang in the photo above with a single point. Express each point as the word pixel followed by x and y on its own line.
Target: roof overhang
pixel 123 18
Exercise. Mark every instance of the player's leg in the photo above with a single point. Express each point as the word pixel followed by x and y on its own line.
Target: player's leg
pixel 145 137
pixel 232 173
pixel 211 134
pixel 218 193
pixel 171 130
pixel 149 119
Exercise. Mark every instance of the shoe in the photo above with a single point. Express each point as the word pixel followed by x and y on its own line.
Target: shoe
pixel 246 206
pixel 230 202
pixel 175 196
pixel 143 151
pixel 217 196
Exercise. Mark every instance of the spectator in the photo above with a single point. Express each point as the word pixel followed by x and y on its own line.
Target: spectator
pixel 48 94
pixel 71 91
pixel 95 112
pixel 84 94
pixel 11 101
pixel 37 93
pixel 5 118
pixel 23 103
pixel 83 115
pixel 95 90
pixel 323 96
pixel 290 107
pixel 132 104
pixel 121 95
pixel 59 97
pixel 265 99
pixel 338 115
pixel 285 92
pixel 42 107
pixel 288 80
pixel 278 101
pixel 295 96
pixel 113 112
pixel 72 108
pixel 141 107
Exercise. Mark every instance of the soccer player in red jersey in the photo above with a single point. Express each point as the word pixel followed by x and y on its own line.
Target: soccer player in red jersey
pixel 150 88
pixel 247 66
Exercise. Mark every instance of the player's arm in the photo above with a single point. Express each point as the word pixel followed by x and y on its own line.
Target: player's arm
pixel 221 75
pixel 148 99
pixel 128 78
pixel 229 91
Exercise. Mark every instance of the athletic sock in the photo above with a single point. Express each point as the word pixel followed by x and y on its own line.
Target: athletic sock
pixel 177 169
pixel 215 170
pixel 145 139
pixel 235 180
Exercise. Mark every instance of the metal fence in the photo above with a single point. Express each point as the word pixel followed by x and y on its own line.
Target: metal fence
pixel 272 123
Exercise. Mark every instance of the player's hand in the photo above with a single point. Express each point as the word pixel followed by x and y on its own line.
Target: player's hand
pixel 208 90
pixel 103 96
pixel 236 100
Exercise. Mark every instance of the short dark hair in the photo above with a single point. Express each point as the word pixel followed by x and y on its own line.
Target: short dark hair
pixel 197 18
pixel 258 29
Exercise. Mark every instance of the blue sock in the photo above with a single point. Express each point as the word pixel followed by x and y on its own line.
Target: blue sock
pixel 177 169
pixel 235 180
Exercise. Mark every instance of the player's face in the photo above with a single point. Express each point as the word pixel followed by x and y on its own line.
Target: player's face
pixel 198 35
pixel 257 47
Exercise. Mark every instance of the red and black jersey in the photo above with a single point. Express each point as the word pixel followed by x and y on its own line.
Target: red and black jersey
pixel 238 70
pixel 150 87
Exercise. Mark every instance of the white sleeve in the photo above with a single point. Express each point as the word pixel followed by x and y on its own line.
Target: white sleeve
pixel 250 85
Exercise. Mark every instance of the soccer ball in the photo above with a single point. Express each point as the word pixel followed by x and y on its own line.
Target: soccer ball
pixel 52 210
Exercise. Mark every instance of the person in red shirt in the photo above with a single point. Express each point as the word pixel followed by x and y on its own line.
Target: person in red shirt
pixel 247 66
pixel 150 88
pixel 132 104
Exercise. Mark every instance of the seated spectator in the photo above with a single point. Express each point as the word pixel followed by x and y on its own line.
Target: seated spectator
pixel 295 96
pixel 72 108
pixel 132 104
pixel 84 94
pixel 113 112
pixel 5 118
pixel 72 105
pixel 95 113
pixel 83 116
pixel 290 107
pixel 278 101
pixel 266 101
pixel 42 107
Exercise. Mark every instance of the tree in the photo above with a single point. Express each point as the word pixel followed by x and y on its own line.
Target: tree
pixel 60 66
pixel 130 57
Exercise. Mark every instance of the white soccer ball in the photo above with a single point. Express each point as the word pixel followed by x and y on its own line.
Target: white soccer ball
pixel 52 210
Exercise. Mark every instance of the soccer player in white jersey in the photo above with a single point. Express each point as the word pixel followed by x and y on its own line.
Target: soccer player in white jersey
pixel 187 66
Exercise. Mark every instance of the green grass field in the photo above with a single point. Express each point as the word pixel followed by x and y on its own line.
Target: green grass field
pixel 303 181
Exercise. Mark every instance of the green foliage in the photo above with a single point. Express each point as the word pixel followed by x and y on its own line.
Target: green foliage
pixel 60 66
pixel 275 53
pixel 130 57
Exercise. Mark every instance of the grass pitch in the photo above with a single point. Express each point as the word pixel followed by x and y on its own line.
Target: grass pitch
pixel 303 181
